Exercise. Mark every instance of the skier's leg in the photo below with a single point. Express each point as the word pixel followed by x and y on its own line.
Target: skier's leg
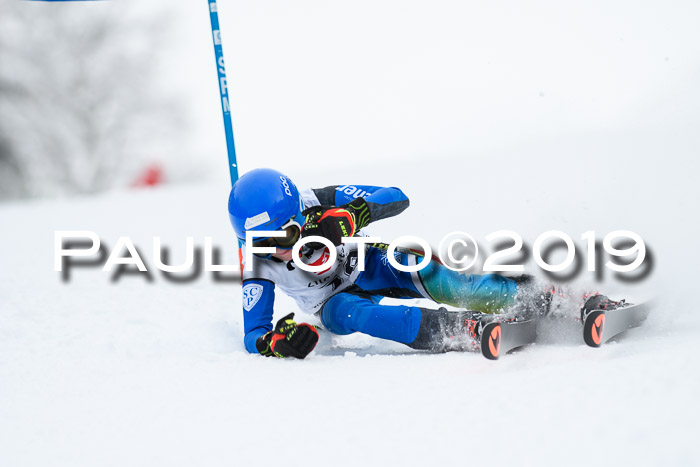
pixel 522 296
pixel 490 293
pixel 345 313
pixel 419 328
pixel 441 330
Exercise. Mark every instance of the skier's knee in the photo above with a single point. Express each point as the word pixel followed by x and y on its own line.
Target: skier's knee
pixel 337 312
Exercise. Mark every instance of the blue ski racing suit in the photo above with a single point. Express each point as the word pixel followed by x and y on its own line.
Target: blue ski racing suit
pixel 347 300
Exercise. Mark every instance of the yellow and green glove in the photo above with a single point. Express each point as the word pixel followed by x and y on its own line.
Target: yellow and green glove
pixel 334 223
pixel 288 339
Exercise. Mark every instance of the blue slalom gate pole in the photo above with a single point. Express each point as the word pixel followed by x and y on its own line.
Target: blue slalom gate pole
pixel 223 89
pixel 225 105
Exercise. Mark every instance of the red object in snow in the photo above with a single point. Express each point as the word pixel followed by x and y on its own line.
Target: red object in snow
pixel 151 176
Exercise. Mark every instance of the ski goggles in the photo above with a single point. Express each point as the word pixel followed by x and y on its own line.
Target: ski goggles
pixel 292 232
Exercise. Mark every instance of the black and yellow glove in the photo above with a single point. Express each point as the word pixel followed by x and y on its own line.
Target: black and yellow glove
pixel 334 223
pixel 288 339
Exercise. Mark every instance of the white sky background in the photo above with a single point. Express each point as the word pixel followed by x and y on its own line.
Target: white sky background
pixel 319 84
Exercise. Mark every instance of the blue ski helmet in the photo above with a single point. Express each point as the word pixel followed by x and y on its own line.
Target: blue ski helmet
pixel 263 199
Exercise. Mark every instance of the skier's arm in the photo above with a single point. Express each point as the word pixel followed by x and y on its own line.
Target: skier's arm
pixel 288 339
pixel 357 206
pixel 382 202
pixel 258 300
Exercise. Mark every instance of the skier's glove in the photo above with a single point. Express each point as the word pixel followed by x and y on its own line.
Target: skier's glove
pixel 334 223
pixel 288 339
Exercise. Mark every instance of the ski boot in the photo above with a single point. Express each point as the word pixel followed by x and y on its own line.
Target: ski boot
pixel 598 301
pixel 599 326
pixel 537 299
pixel 443 331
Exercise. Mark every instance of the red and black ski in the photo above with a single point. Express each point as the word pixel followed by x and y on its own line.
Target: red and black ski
pixel 498 338
pixel 602 325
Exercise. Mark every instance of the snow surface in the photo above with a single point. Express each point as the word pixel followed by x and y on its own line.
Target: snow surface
pixel 138 373
pixel 489 118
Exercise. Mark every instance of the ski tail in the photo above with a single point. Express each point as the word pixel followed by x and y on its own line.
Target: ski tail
pixel 499 338
pixel 600 326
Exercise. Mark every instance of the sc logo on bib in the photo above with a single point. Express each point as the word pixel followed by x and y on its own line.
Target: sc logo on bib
pixel 251 295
